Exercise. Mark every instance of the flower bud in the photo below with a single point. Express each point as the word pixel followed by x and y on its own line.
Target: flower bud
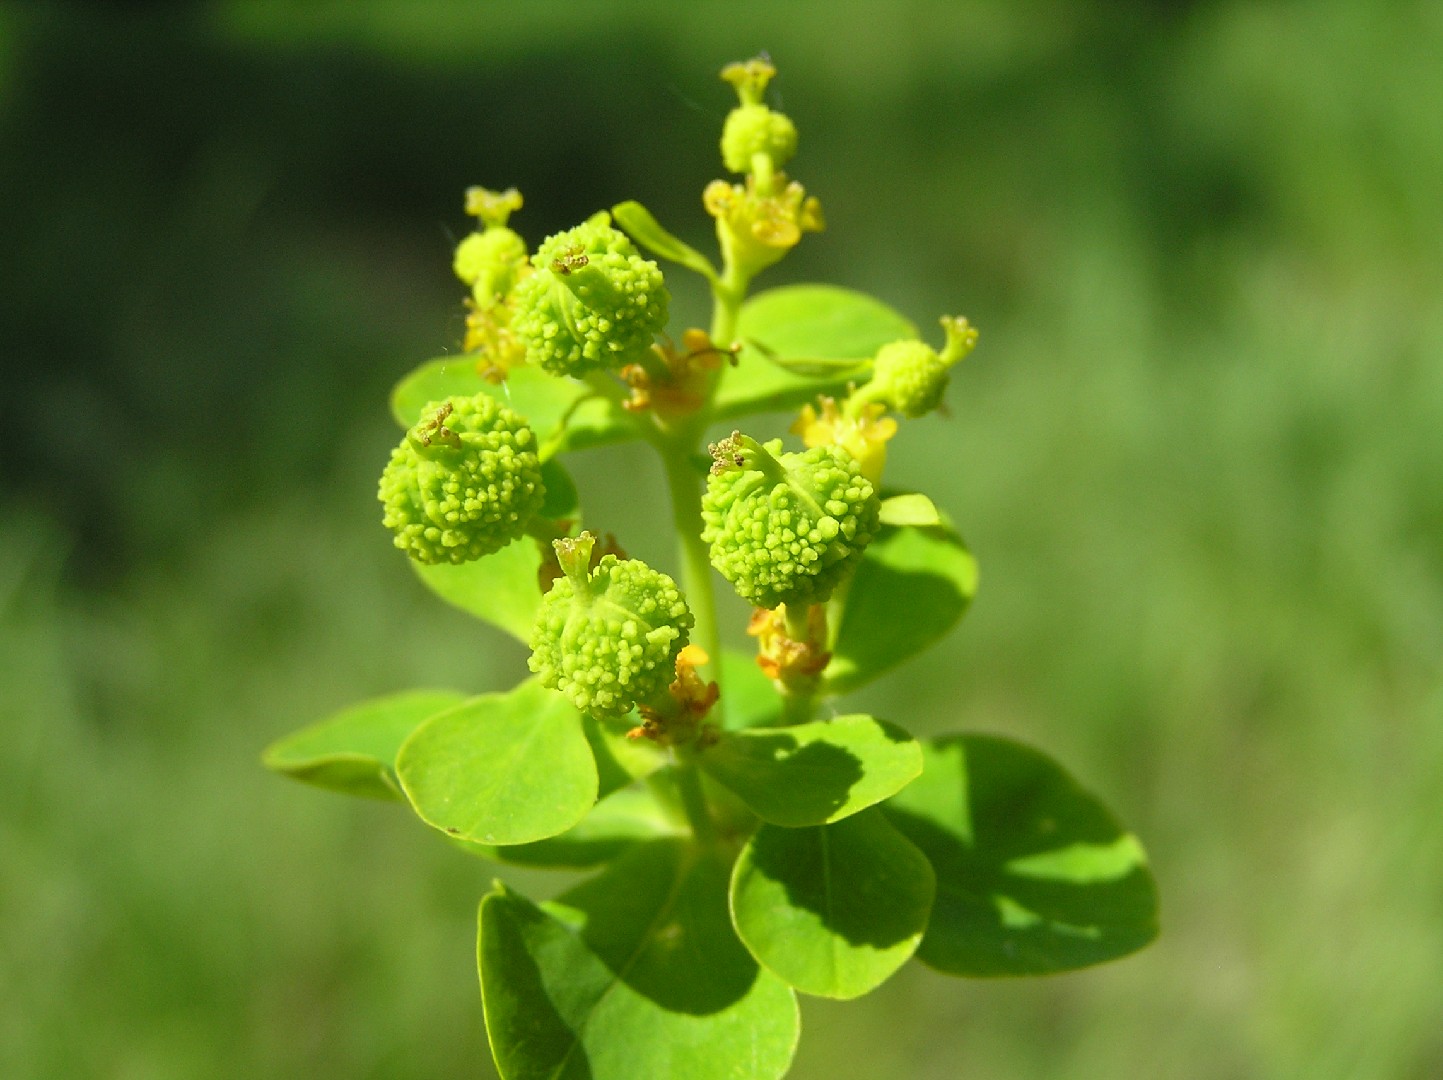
pixel 752 128
pixel 608 637
pixel 592 304
pixel 464 482
pixel 786 528
pixel 911 377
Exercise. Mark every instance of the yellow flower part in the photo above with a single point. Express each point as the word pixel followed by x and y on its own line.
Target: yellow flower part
pixel 757 224
pixel 863 435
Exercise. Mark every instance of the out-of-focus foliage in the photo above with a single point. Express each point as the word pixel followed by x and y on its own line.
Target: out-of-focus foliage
pixel 1199 455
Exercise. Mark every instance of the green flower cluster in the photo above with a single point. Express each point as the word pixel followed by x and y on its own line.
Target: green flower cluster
pixel 911 376
pixel 463 483
pixel 608 637
pixel 490 261
pixel 786 528
pixel 593 304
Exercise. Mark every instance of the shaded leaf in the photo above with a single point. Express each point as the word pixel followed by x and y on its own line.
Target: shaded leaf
pixel 1034 874
pixel 911 587
pixel 501 768
pixel 354 751
pixel 614 825
pixel 636 973
pixel 619 760
pixel 812 773
pixel 802 323
pixel 642 227
pixel 833 909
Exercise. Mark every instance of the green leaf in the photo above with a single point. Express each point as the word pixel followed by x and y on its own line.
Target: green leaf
pixel 748 697
pixel 636 973
pixel 501 768
pixel 912 508
pixel 502 588
pixel 616 824
pixel 803 323
pixel 565 414
pixel 354 751
pixel 833 909
pixel 562 498
pixel 1034 874
pixel 619 760
pixel 813 773
pixel 912 586
pixel 642 227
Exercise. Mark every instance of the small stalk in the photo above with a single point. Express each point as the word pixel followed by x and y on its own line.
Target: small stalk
pixel 693 801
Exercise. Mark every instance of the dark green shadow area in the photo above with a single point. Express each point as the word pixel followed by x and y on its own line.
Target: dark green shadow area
pixel 1034 875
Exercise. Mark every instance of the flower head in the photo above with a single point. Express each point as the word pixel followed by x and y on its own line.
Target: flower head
pixel 463 483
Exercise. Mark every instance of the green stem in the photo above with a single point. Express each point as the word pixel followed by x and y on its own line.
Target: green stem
pixel 685 487
pixel 693 801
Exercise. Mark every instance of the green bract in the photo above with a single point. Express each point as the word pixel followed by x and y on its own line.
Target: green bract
pixel 593 304
pixel 742 848
pixel 464 482
pixel 786 529
pixel 608 638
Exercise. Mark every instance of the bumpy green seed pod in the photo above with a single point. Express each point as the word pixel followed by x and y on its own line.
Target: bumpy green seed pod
pixel 464 482
pixel 752 128
pixel 490 261
pixel 786 528
pixel 911 377
pixel 608 637
pixel 756 129
pixel 594 303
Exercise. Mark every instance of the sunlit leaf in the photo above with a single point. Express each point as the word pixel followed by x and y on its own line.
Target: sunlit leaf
pixel 642 227
pixel 354 751
pixel 911 588
pixel 619 759
pixel 912 508
pixel 833 909
pixel 801 323
pixel 813 773
pixel 501 768
pixel 1034 874
pixel 636 973
pixel 502 588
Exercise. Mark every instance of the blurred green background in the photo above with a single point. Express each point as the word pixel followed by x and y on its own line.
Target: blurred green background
pixel 1199 454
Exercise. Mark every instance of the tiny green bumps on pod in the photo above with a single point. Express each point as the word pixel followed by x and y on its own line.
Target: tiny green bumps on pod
pixel 593 304
pixel 786 528
pixel 752 128
pixel 463 483
pixel 607 637
pixel 911 376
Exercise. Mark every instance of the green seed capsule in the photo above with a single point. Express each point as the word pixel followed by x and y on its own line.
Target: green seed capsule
pixel 786 528
pixel 608 637
pixel 464 482
pixel 593 304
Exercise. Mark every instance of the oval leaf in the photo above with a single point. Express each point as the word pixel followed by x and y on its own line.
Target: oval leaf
pixel 502 588
pixel 642 227
pixel 565 414
pixel 802 322
pixel 912 586
pixel 637 973
pixel 835 909
pixel 501 768
pixel 814 773
pixel 1034 874
pixel 354 751
pixel 748 697
pixel 913 508
pixel 616 824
